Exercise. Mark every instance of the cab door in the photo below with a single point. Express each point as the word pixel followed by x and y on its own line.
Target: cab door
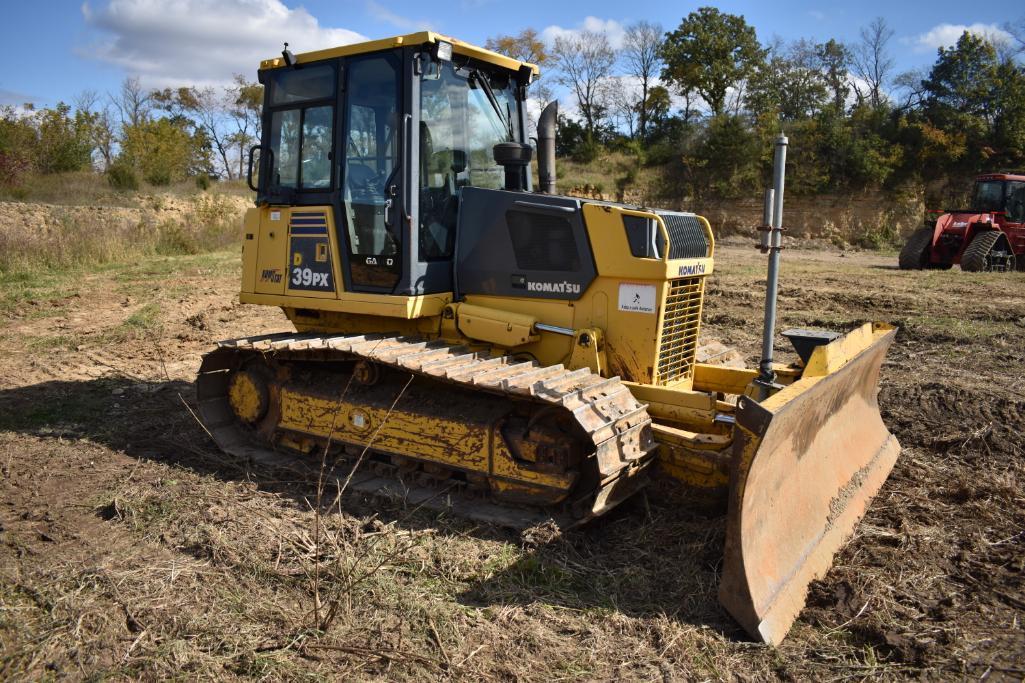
pixel 298 169
pixel 372 177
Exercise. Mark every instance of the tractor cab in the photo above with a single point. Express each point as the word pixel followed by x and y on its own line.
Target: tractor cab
pixel 387 134
pixel 1000 194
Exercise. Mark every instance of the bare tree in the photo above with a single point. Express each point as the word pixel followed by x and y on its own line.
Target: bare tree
pixel 133 102
pixel 872 61
pixel 86 100
pixel 1017 31
pixel 102 132
pixel 623 104
pixel 911 88
pixel 641 55
pixel 585 63
pixel 244 102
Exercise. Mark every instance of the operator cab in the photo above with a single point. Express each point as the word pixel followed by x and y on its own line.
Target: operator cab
pixel 1000 193
pixel 388 134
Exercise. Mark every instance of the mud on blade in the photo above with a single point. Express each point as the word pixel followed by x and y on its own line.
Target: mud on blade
pixel 808 461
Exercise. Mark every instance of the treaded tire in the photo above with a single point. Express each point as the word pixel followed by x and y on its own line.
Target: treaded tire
pixel 975 258
pixel 916 252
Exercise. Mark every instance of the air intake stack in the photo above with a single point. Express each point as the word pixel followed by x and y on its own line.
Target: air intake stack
pixel 514 157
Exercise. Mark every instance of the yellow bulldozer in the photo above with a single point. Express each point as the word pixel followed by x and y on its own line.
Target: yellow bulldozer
pixel 536 356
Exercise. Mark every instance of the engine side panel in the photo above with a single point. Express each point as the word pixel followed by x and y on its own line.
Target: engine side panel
pixel 522 245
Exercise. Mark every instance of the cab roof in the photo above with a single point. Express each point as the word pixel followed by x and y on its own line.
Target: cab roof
pixel 458 47
pixel 1001 175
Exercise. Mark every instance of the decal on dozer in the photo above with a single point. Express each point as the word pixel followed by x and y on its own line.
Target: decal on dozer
pixel 310 267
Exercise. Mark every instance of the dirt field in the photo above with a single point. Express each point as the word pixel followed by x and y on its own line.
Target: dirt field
pixel 130 548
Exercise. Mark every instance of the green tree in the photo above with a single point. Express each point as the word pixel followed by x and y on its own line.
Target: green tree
pixel 1009 122
pixel 962 82
pixel 726 160
pixel 787 87
pixel 834 62
pixel 165 150
pixel 710 53
pixel 960 98
pixel 658 105
pixel 17 140
pixel 64 140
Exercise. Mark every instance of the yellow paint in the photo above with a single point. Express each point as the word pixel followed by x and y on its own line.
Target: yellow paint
pixel 588 351
pixel 501 328
pixel 713 378
pixel 829 358
pixel 386 305
pixel 465 445
pixel 271 267
pixel 245 398
pixel 250 242
pixel 694 409
pixel 458 47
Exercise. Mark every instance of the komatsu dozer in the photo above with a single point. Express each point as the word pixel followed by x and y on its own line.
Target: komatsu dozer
pixel 459 326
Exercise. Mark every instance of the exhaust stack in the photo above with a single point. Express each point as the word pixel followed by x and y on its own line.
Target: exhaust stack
pixel 546 124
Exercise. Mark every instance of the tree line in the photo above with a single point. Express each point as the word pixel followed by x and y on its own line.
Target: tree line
pixel 161 136
pixel 706 99
pixel 703 100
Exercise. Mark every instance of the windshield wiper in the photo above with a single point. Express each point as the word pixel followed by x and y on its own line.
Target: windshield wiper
pixel 482 80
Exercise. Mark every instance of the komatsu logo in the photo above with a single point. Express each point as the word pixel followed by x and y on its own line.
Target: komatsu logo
pixel 271 275
pixel 693 269
pixel 555 287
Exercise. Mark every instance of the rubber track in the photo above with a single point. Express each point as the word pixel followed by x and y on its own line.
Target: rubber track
pixel 616 423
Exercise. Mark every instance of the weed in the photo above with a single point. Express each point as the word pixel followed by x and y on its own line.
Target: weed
pixel 121 176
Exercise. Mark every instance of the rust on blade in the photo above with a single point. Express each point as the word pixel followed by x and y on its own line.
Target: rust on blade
pixel 807 463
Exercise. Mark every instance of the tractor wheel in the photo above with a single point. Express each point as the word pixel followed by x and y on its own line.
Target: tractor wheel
pixel 916 253
pixel 988 251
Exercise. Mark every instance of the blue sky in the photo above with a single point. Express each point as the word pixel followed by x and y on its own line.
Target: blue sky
pixel 61 47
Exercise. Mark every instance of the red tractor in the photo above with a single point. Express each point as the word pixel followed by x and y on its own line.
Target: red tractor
pixel 989 236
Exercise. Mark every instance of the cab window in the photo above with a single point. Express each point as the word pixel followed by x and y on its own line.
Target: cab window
pixel 460 124
pixel 1016 202
pixel 301 131
pixel 988 195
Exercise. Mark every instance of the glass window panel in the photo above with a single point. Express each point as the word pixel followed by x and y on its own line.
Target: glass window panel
pixel 989 195
pixel 371 162
pixel 459 128
pixel 297 85
pixel 284 144
pixel 316 148
pixel 1016 202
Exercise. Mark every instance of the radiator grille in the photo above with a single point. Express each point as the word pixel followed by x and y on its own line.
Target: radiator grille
pixel 687 237
pixel 679 341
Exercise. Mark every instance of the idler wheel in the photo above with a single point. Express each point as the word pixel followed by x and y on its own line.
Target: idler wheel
pixel 247 395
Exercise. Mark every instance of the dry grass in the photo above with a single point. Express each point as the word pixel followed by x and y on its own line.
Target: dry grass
pixel 65 237
pixel 88 188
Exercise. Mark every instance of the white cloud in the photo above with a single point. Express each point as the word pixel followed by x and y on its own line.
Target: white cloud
pixel 610 27
pixel 946 35
pixel 202 42
pixel 385 15
pixel 16 99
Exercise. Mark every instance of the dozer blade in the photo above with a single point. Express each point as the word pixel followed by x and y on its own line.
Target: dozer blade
pixel 808 461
